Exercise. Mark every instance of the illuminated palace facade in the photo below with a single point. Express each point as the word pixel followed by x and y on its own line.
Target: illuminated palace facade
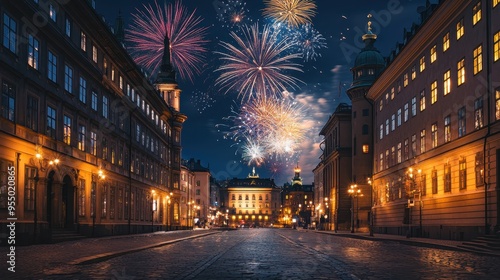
pixel 251 201
pixel 436 112
pixel 95 145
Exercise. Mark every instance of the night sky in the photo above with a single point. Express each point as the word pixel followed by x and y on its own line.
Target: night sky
pixel 325 80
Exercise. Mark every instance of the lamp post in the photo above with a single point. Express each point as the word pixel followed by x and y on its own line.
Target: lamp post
pixel 41 165
pixel 354 192
pixel 100 176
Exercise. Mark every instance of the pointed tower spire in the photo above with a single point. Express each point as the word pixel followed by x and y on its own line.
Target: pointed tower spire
pixel 369 38
pixel 167 72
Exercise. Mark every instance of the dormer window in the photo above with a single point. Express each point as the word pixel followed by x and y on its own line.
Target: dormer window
pixel 360 73
pixel 371 71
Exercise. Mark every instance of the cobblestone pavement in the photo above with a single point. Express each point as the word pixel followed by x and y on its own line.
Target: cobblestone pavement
pixel 258 254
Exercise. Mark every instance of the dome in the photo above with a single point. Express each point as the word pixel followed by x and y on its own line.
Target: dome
pixel 369 57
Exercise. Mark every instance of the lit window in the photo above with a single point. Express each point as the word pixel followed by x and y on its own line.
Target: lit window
pixel 478 59
pixel 422 64
pixel 33 51
pixel 67 130
pixel 446 42
pixel 478 113
pixel 413 73
pixel 381 104
pixel 81 138
pixel 434 92
pixel 83 90
pixel 120 82
pixel 476 13
pixel 9 33
pixel 68 78
pixel 434 135
pixel 406 112
pixel 433 53
pixel 83 41
pixel 414 106
pixel 461 122
pixel 460 29
pixel 93 104
pixel 462 174
pixel 399 117
pixel 422 141
pixel 392 93
pixel 496 46
pixel 381 162
pixel 51 122
pixel 8 97
pixel 422 100
pixel 93 143
pixel 381 132
pixel 393 122
pixel 461 72
pixel 447 129
pixel 52 13
pixel 94 54
pixel 405 80
pixel 497 104
pixel 399 153
pixel 446 82
pixel 387 127
pixel 52 67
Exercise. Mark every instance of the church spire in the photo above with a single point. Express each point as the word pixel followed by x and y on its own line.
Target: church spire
pixel 369 38
pixel 167 72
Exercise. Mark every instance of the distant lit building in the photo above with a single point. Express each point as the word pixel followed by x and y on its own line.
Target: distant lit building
pixel 252 201
pixel 201 190
pixel 95 145
pixel 297 206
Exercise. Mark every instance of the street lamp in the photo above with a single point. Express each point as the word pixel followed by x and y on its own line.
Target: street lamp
pixel 354 192
pixel 41 165
pixel 100 176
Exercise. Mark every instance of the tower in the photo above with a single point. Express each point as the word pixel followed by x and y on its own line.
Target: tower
pixel 165 80
pixel 297 179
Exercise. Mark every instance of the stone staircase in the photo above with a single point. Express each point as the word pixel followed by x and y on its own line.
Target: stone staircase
pixel 62 234
pixel 487 244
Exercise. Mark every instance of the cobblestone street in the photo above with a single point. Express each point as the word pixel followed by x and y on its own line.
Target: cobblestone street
pixel 247 254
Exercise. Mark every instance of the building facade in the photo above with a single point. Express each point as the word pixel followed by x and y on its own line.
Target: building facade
pixel 252 201
pixel 297 208
pixel 436 112
pixel 95 146
pixel 201 192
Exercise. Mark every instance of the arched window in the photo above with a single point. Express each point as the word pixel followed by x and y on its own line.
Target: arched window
pixel 246 197
pixel 253 196
pixel 234 197
pixel 239 197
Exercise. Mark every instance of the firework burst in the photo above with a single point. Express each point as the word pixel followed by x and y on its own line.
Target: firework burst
pixel 257 64
pixel 231 13
pixel 308 41
pixel 187 38
pixel 291 12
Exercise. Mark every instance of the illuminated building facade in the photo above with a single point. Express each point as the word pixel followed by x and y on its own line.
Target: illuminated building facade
pixel 297 208
pixel 436 123
pixel 201 190
pixel 251 201
pixel 95 145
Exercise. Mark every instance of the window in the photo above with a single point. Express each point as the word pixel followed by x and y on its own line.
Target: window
pixel 446 41
pixel 104 145
pixel 462 174
pixel 366 149
pixel 51 122
pixel 68 78
pixel 83 90
pixel 399 117
pixel 479 169
pixel 393 122
pixel 387 127
pixel 365 129
pixel 386 159
pixel 52 12
pixel 433 54
pixel 476 13
pixel 434 135
pixel 434 181
pixel 81 137
pixel 446 82
pixel 120 82
pixel 478 113
pixel 414 144
pixel 32 113
pixel 422 141
pixel 496 46
pixel 94 53
pixel 93 143
pixel 461 122
pixel 405 80
pixel 422 100
pixel 447 177
pixel 392 93
pixel 381 162
pixel 461 72
pixel 399 153
pixel 478 59
pixel 52 67
pixel 406 151
pixel 423 185
pixel 81 197
pixel 94 101
pixel 422 64
pixel 460 29
pixel 413 73
pixel 414 106
pixel 8 101
pixel 381 104
pixel 67 129
pixel 497 104
pixel 406 113
pixel 434 93
pixel 33 52
pixel 104 202
pixel 29 188
pixel 5 167
pixel 83 41
pixel 68 27
pixel 105 108
pixel 381 132
pixel 447 129
pixel 9 33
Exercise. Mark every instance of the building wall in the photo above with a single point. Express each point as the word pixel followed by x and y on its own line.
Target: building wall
pixel 114 122
pixel 461 153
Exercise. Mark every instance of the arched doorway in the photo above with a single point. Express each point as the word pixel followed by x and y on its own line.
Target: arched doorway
pixel 68 203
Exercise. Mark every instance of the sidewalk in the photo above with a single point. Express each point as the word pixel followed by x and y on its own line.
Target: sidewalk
pixel 414 241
